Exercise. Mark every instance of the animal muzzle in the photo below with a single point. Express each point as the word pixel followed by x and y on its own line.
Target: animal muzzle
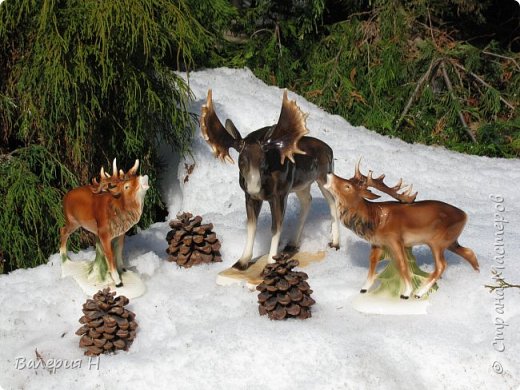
pixel 253 181
pixel 328 183
pixel 143 182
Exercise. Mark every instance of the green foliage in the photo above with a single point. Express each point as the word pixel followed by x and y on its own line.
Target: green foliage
pixel 87 81
pixel 216 16
pixel 30 211
pixel 403 68
pixel 276 34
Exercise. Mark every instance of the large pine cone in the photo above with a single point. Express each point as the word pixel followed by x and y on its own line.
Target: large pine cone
pixel 284 293
pixel 191 242
pixel 107 325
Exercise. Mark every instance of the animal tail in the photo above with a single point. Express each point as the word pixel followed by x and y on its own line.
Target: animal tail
pixel 466 253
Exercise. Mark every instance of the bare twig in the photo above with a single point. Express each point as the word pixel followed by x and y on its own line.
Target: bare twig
pixel 39 357
pixel 503 57
pixel 261 30
pixel 335 62
pixel 452 93
pixel 501 284
pixel 431 29
pixel 483 83
pixel 360 14
pixel 457 72
pixel 425 77
pixel 278 37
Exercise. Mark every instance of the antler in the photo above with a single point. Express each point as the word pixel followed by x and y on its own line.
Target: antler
pixel 405 197
pixel 108 182
pixel 289 130
pixel 368 181
pixel 131 172
pixel 216 135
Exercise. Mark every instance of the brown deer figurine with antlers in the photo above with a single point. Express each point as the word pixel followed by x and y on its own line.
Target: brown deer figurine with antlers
pixel 273 161
pixel 395 226
pixel 108 208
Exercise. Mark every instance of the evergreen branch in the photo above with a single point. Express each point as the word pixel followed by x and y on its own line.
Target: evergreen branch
pixel 452 93
pixel 483 83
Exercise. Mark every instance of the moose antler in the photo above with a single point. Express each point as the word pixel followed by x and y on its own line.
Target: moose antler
pixel 219 138
pixel 289 130
pixel 368 181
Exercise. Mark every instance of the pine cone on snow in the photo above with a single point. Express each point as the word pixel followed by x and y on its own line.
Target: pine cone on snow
pixel 191 242
pixel 107 325
pixel 284 293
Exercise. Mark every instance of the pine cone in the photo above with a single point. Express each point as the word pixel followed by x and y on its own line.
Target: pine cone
pixel 191 243
pixel 107 325
pixel 284 293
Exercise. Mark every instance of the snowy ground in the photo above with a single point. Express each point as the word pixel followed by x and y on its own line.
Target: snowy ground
pixel 194 334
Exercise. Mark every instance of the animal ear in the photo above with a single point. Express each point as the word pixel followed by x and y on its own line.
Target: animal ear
pixel 367 194
pixel 232 129
pixel 290 128
pixel 219 138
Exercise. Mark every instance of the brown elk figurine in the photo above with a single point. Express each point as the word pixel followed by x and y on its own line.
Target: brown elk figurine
pixel 108 208
pixel 273 161
pixel 396 226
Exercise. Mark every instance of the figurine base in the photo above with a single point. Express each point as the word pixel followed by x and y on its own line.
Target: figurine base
pixel 252 276
pixel 387 304
pixel 88 278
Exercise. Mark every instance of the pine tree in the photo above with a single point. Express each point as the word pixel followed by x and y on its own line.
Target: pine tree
pixel 82 82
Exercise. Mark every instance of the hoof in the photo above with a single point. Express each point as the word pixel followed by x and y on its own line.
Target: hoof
pixel 335 246
pixel 417 296
pixel 404 297
pixel 363 290
pixel 119 285
pixel 290 250
pixel 240 266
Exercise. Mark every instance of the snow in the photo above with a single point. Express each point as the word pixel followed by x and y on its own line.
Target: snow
pixel 194 334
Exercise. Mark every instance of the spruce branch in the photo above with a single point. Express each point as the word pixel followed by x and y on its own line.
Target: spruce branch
pixel 484 83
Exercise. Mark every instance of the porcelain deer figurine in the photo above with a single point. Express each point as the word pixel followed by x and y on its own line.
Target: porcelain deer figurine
pixel 108 208
pixel 396 226
pixel 273 162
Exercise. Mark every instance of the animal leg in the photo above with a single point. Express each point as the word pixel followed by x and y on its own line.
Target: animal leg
pixel 277 205
pixel 399 255
pixel 106 242
pixel 65 233
pixel 466 253
pixel 375 255
pixel 440 266
pixel 253 207
pixel 334 216
pixel 305 198
pixel 118 244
